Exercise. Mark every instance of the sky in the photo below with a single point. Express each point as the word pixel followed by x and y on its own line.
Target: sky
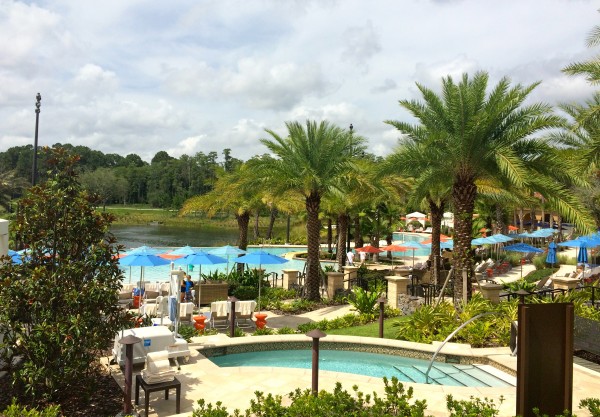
pixel 142 76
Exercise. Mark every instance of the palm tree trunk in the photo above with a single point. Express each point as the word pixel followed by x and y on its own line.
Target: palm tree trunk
pixel 313 229
pixel 243 220
pixel 287 229
pixel 437 214
pixel 341 241
pixel 358 237
pixel 500 220
pixel 329 235
pixel 464 192
pixel 273 216
pixel 256 224
pixel 375 240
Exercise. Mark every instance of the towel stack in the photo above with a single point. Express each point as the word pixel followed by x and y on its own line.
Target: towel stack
pixel 158 369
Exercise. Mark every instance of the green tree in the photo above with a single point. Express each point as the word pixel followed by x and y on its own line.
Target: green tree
pixel 105 184
pixel 472 135
pixel 58 309
pixel 10 186
pixel 309 162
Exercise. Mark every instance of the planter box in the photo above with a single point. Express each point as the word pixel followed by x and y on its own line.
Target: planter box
pixel 212 292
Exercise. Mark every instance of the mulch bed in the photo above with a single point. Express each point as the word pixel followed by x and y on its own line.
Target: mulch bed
pixel 106 399
pixel 588 356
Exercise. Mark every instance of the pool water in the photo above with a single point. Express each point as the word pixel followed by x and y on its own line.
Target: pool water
pixel 370 364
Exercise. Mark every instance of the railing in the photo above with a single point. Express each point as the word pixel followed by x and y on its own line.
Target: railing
pixel 450 336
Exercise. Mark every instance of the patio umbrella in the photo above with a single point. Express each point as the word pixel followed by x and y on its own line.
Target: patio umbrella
pixel 200 258
pixel 260 258
pixel 369 249
pixel 582 244
pixel 551 257
pixel 413 246
pixel 143 258
pixel 226 251
pixel 183 251
pixel 522 247
pixel 394 248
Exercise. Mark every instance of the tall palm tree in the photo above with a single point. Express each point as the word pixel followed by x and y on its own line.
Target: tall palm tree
pixel 308 161
pixel 230 194
pixel 472 135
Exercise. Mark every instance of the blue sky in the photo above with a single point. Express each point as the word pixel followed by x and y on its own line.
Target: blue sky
pixel 143 76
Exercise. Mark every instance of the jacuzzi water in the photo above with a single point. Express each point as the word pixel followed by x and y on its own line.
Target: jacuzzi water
pixel 369 364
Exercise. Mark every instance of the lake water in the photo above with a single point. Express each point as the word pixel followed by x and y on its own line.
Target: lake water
pixel 173 237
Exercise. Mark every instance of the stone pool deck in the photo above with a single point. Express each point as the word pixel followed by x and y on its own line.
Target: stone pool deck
pixel 234 387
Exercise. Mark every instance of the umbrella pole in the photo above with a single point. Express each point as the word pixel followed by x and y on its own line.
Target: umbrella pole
pixel 199 285
pixel 259 285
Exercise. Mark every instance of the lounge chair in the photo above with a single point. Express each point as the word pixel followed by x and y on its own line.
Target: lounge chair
pixel 219 314
pixel 243 313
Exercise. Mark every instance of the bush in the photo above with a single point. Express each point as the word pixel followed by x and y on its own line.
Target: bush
pixel 396 402
pixel 16 410
pixel 265 331
pixel 244 292
pixel 286 330
pixel 364 301
pixel 474 408
pixel 593 406
pixel 187 332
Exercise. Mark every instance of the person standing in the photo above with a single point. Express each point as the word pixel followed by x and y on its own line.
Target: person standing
pixel 363 257
pixel 350 257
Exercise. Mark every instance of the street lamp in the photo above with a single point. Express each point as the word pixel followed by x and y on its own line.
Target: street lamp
pixel 38 103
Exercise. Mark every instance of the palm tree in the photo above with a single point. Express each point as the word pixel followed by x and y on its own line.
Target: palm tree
pixel 309 161
pixel 230 194
pixel 472 135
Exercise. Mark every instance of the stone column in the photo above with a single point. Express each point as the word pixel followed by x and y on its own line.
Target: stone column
pixel 335 281
pixel 396 286
pixel 491 292
pixel 290 278
pixel 351 274
pixel 565 283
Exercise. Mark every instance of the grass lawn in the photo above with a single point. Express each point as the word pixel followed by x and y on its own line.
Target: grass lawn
pixel 371 329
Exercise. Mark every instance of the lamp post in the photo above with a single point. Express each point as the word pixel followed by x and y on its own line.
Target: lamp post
pixel 349 222
pixel 38 103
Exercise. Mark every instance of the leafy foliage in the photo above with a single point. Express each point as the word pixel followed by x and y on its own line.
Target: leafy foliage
pixel 187 332
pixel 365 302
pixel 476 407
pixel 58 308
pixel 16 410
pixel 397 401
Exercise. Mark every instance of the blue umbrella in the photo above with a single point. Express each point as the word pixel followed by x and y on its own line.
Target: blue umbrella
pixel 200 258
pixel 260 257
pixel 185 250
pixel 551 258
pixel 582 256
pixel 522 247
pixel 227 251
pixel 144 250
pixel 142 257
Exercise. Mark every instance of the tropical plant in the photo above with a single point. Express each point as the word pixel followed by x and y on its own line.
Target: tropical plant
pixel 309 162
pixel 363 301
pixel 476 407
pixel 58 309
pixel 468 134
pixel 16 410
pixel 187 332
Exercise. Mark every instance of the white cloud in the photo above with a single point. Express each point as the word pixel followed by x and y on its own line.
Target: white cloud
pixel 185 77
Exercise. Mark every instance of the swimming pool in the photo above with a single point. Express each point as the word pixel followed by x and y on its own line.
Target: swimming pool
pixel 371 364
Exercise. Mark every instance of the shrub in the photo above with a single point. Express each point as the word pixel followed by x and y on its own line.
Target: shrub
pixel 593 406
pixel 286 330
pixel 16 410
pixel 364 301
pixel 265 331
pixel 340 403
pixel 244 292
pixel 187 332
pixel 538 274
pixel 474 408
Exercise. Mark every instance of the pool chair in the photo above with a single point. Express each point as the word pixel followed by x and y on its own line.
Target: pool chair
pixel 243 313
pixel 219 314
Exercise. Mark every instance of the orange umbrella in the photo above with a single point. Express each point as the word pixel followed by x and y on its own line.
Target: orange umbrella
pixel 443 238
pixel 369 249
pixel 169 256
pixel 394 248
pixel 511 227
